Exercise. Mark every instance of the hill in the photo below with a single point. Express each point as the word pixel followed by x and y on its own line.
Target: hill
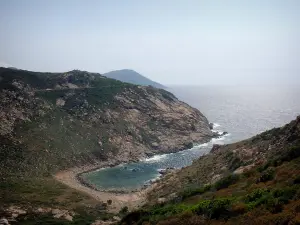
pixel 255 181
pixel 130 76
pixel 55 121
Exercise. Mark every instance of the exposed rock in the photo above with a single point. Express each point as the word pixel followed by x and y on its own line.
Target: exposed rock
pixel 167 170
pixel 43 210
pixel 161 200
pixel 60 102
pixel 4 221
pixel 116 218
pixel 215 178
pixel 64 214
pixel 101 222
pixel 15 211
pixel 211 126
pixel 215 148
pixel 154 144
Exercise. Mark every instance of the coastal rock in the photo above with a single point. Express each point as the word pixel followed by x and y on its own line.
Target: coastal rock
pixel 165 171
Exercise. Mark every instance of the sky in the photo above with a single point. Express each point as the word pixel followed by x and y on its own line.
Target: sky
pixel 174 42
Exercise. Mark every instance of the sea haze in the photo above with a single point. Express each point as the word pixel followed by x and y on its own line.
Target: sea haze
pixel 242 111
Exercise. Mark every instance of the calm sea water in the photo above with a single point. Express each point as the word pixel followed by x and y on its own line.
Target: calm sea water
pixel 241 111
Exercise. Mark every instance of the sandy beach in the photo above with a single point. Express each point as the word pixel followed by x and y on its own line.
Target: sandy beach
pixel 119 200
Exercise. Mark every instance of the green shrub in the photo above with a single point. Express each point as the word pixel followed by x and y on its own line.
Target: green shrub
pixel 226 181
pixel 272 200
pixel 266 175
pixel 255 195
pixel 124 210
pixel 214 209
pixel 297 180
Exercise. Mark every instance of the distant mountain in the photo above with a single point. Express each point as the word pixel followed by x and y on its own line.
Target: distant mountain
pixel 5 65
pixel 131 76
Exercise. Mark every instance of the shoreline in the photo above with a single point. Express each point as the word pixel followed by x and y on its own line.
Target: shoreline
pixel 132 199
pixel 70 177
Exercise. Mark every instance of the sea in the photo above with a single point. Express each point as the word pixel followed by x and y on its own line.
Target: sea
pixel 242 111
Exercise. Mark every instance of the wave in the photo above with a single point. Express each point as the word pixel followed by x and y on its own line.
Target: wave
pixel 156 158
pixel 208 145
pixel 200 145
pixel 215 125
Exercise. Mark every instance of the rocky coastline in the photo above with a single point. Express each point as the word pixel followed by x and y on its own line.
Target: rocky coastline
pixel 163 172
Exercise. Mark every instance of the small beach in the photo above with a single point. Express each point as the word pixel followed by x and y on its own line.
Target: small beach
pixel 132 200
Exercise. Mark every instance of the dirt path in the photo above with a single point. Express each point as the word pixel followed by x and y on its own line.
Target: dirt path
pixel 131 200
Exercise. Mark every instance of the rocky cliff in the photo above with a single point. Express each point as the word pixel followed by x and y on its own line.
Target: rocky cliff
pixel 51 121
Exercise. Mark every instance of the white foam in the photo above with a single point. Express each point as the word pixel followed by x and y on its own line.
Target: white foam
pixel 201 145
pixel 155 158
pixel 218 140
pixel 219 132
pixel 215 125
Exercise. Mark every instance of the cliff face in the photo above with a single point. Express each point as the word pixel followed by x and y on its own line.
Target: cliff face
pixel 51 121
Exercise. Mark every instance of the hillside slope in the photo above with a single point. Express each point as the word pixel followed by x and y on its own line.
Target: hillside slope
pixel 255 181
pixel 130 76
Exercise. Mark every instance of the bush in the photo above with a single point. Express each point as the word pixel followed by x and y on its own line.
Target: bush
pixel 272 200
pixel 255 195
pixel 214 209
pixel 109 202
pixel 124 210
pixel 266 175
pixel 226 181
pixel 297 180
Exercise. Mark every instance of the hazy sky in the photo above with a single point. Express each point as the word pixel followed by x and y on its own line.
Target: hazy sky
pixel 170 41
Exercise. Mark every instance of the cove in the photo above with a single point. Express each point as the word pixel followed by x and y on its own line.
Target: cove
pixel 132 176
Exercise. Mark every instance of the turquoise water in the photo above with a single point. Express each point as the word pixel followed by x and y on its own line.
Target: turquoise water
pixel 241 111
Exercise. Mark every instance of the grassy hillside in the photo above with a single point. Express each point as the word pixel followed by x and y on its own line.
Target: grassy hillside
pixel 261 189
